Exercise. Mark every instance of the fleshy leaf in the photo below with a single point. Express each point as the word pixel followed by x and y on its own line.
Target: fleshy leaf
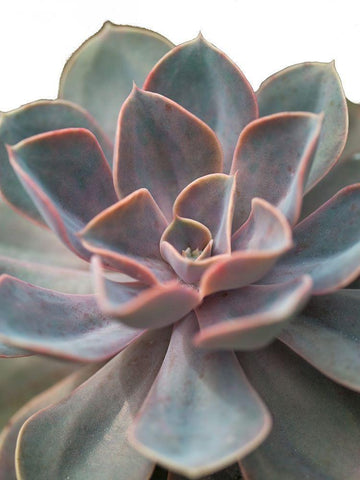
pixel 162 147
pixel 210 201
pixel 32 119
pixel 100 74
pixel 257 245
pixel 343 174
pixel 139 306
pixel 127 236
pixel 85 189
pixel 55 443
pixel 316 431
pixel 8 351
pixel 273 157
pixel 250 317
pixel 310 87
pixel 186 245
pixel 57 324
pixel 327 245
pixel 327 334
pixel 201 414
pixel 206 82
pixel 10 433
pixel 352 146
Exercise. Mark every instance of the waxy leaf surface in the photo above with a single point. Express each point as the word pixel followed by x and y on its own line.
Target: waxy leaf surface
pixel 85 189
pixel 53 323
pixel 272 160
pixel 327 335
pixel 310 87
pixel 352 146
pixel 250 317
pixel 315 430
pixel 100 74
pixel 327 245
pixel 86 434
pixel 162 147
pixel 32 119
pixel 194 396
pixel 202 79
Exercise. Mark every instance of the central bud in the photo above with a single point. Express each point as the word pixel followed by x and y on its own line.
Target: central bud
pixel 191 254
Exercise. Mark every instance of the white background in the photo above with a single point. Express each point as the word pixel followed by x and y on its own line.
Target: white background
pixel 37 36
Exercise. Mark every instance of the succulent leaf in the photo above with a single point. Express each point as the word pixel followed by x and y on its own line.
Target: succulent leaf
pixel 272 158
pixel 310 87
pixel 352 146
pixel 139 306
pixel 85 189
pixel 327 245
pixel 327 335
pixel 33 119
pixel 58 324
pixel 177 421
pixel 300 399
pixel 127 236
pixel 162 147
pixel 100 74
pixel 206 82
pixel 210 201
pixel 251 317
pixel 95 418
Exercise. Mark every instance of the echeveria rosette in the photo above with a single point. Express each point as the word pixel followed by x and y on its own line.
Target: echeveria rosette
pixel 203 211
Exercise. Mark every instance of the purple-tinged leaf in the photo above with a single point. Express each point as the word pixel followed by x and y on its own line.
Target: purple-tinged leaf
pixel 206 82
pixel 85 189
pixel 58 324
pixel 10 433
pixel 201 414
pixel 162 147
pixel 327 245
pixel 272 158
pixel 310 87
pixel 352 146
pixel 327 335
pixel 127 236
pixel 85 436
pixel 140 306
pixel 100 74
pixel 316 422
pixel 32 119
pixel 187 245
pixel 250 317
pixel 210 201
pixel 342 175
pixel 230 473
pixel 257 245
pixel 23 378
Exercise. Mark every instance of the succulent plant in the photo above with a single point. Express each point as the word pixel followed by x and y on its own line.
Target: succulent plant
pixel 224 329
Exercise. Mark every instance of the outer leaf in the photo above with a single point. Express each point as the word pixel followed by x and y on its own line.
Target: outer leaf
pixel 99 75
pixel 352 146
pixel 327 245
pixel 32 119
pixel 68 326
pixel 140 307
pixel 195 395
pixel 127 235
pixel 10 433
pixel 316 422
pixel 86 188
pixel 162 147
pixel 203 80
pixel 312 87
pixel 327 334
pixel 210 200
pixel 84 436
pixel 273 157
pixel 250 317
pixel 8 351
pixel 23 378
pixel 257 245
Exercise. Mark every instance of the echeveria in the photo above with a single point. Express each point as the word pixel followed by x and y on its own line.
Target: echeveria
pixel 222 333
